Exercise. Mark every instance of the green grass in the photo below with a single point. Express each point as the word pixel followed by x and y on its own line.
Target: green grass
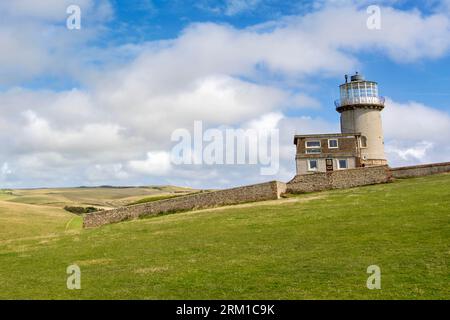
pixel 314 246
pixel 26 221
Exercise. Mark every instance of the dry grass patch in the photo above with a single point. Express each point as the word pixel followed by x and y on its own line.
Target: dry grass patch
pixel 94 262
pixel 151 270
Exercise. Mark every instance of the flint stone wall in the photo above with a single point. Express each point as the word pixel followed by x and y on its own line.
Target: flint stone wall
pixel 421 170
pixel 340 179
pixel 258 192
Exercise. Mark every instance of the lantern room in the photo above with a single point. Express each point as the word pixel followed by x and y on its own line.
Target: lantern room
pixel 359 92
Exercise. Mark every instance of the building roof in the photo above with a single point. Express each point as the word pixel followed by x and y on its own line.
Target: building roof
pixel 326 135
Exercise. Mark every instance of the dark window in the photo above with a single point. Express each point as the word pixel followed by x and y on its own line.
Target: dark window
pixel 313 165
pixel 363 142
pixel 343 164
pixel 313 144
pixel 333 143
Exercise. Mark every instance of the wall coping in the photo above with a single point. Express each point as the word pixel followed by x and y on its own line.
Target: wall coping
pixel 195 194
pixel 270 190
pixel 429 165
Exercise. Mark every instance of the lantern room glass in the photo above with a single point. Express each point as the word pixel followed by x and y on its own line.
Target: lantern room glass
pixel 359 92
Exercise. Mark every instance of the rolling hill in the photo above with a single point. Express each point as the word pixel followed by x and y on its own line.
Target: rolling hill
pixel 311 246
pixel 102 197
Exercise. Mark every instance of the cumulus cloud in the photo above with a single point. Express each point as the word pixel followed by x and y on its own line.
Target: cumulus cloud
pixel 117 128
pixel 415 121
pixel 36 43
pixel 104 173
pixel 52 10
pixel 5 171
pixel 157 163
pixel 415 133
pixel 38 134
pixel 402 153
pixel 266 122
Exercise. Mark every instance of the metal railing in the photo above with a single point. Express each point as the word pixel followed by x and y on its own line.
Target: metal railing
pixel 359 100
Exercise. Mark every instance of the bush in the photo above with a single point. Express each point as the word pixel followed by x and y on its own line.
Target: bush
pixel 82 210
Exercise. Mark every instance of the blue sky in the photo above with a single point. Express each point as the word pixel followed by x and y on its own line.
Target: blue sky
pixel 141 21
pixel 98 105
pixel 424 81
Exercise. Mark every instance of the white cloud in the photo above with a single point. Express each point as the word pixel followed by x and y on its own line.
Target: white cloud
pixel 118 127
pixel 302 100
pixel 413 153
pixel 106 172
pixel 415 133
pixel 51 10
pixel 265 122
pixel 5 170
pixel 90 137
pixel 414 121
pixel 156 164
pixel 36 42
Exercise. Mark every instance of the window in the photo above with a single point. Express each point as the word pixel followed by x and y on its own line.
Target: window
pixel 342 164
pixel 313 165
pixel 313 147
pixel 363 142
pixel 313 151
pixel 333 144
pixel 313 144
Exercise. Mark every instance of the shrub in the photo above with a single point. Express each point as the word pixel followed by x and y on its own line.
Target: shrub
pixel 81 210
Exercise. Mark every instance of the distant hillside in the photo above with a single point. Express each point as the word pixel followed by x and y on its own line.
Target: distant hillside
pixel 103 197
pixel 311 246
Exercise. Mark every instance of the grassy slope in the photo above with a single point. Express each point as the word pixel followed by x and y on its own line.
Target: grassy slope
pixel 101 197
pixel 293 249
pixel 19 220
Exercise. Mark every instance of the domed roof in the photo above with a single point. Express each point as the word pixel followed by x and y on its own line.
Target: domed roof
pixel 357 77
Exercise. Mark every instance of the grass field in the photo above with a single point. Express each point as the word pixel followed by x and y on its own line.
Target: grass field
pixel 313 246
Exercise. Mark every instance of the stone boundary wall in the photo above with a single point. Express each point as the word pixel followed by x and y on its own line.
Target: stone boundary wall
pixel 340 179
pixel 258 192
pixel 420 170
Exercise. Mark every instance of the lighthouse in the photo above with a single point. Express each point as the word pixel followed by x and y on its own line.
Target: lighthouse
pixel 360 142
pixel 360 107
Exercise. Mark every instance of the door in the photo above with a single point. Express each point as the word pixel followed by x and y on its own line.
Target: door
pixel 329 164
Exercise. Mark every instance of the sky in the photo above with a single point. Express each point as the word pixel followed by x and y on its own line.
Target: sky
pixel 98 105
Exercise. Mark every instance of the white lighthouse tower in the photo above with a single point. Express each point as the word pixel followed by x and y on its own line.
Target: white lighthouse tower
pixel 360 107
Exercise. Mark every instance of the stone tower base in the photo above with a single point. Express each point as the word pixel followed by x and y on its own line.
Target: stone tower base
pixel 374 162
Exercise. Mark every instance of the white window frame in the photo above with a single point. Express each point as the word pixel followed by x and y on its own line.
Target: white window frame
pixel 313 147
pixel 337 144
pixel 339 165
pixel 309 165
